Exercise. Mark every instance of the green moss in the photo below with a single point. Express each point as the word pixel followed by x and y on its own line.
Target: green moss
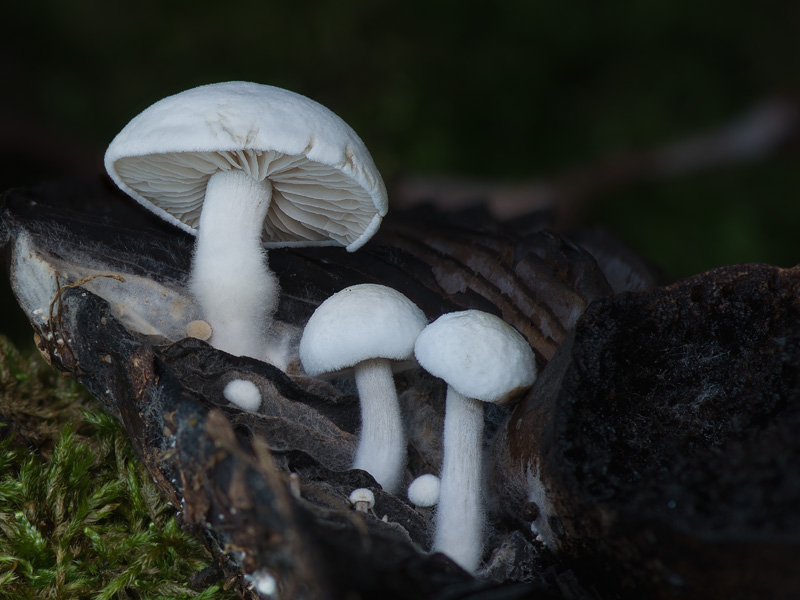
pixel 79 514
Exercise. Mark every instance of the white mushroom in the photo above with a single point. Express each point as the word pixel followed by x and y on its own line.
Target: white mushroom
pixel 482 359
pixel 239 163
pixel 424 491
pixel 243 393
pixel 364 328
pixel 362 499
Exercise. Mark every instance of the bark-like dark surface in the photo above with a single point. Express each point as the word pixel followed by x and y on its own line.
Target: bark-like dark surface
pixel 268 490
pixel 665 434
pixel 655 456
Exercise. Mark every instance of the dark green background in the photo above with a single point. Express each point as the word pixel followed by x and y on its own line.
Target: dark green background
pixel 504 90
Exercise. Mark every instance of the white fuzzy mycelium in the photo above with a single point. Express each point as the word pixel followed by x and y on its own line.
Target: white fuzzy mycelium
pixel 364 328
pixel 245 166
pixel 482 359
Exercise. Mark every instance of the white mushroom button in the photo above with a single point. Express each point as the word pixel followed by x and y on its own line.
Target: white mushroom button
pixel 364 328
pixel 482 359
pixel 238 164
pixel 362 499
pixel 243 393
pixel 424 491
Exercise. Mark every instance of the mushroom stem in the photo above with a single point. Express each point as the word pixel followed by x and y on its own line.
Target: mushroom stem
pixel 381 445
pixel 236 290
pixel 459 516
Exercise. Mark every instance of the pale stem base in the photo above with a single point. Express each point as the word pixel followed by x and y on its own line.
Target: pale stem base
pixel 459 516
pixel 381 445
pixel 236 290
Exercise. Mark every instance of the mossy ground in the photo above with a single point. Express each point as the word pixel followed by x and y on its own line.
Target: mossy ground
pixel 79 514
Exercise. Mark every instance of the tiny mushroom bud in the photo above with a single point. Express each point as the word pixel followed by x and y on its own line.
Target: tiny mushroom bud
pixel 199 329
pixel 424 491
pixel 364 328
pixel 243 394
pixel 482 359
pixel 362 499
pixel 237 164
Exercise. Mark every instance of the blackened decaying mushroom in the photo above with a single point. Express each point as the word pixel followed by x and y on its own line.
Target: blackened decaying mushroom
pixel 275 483
pixel 234 162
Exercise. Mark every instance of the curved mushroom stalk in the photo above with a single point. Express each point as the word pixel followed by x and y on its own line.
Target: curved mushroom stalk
pixel 459 516
pixel 236 290
pixel 382 444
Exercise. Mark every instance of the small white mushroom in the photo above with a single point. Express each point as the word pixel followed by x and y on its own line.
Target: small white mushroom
pixel 364 328
pixel 238 163
pixel 424 491
pixel 482 359
pixel 362 499
pixel 243 393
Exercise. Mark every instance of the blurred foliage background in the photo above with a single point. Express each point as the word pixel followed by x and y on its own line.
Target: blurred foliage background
pixel 508 91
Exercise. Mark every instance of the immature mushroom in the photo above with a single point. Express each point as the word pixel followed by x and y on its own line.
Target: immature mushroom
pixel 482 359
pixel 236 163
pixel 424 491
pixel 362 499
pixel 243 393
pixel 365 327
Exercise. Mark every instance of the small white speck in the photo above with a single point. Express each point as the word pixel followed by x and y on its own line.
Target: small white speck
pixel 262 582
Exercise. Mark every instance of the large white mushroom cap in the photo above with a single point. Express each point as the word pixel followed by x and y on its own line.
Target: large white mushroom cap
pixel 478 354
pixel 326 188
pixel 359 323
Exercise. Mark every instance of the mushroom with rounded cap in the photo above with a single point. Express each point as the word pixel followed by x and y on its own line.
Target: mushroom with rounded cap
pixel 364 328
pixel 482 359
pixel 362 499
pixel 238 163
